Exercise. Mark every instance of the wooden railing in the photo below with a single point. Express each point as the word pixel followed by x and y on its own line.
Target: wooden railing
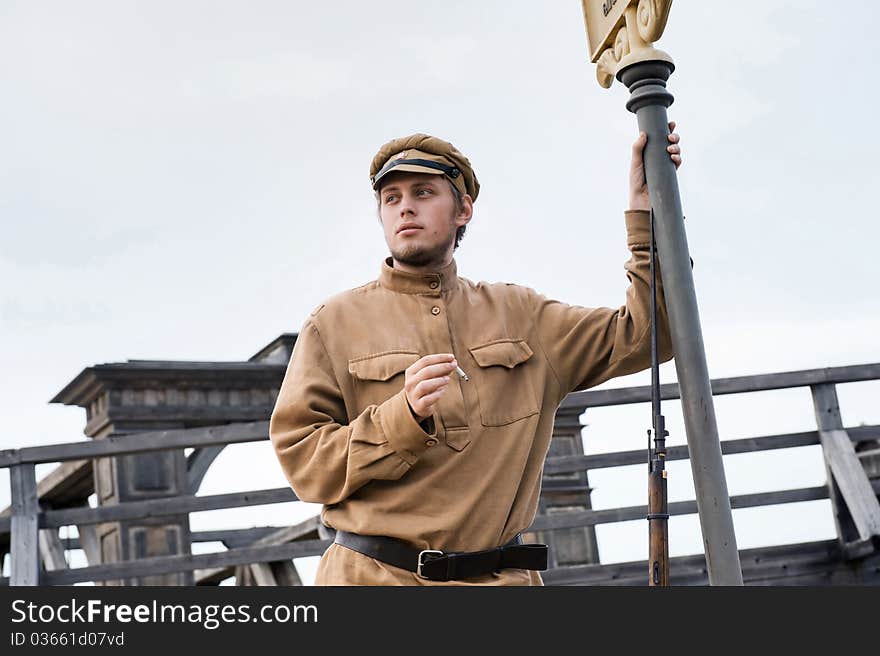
pixel 853 494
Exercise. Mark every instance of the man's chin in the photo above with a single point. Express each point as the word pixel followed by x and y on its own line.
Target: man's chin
pixel 417 257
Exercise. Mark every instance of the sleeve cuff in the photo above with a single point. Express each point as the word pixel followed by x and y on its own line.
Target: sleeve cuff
pixel 638 227
pixel 401 429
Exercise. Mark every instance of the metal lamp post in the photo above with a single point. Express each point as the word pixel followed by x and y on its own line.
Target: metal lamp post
pixel 621 34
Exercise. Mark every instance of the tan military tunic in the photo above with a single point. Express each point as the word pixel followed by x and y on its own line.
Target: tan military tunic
pixel 469 478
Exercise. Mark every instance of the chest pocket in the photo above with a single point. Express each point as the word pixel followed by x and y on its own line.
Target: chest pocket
pixel 378 377
pixel 504 385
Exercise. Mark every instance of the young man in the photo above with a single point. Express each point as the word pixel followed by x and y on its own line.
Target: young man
pixel 418 408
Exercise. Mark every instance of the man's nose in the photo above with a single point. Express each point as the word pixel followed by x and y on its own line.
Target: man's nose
pixel 406 206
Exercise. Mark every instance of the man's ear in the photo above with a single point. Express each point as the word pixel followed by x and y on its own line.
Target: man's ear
pixel 467 210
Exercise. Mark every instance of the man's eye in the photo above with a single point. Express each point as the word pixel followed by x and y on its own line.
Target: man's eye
pixel 424 191
pixel 389 198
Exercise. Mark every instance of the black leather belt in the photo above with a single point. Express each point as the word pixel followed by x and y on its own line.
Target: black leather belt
pixel 436 565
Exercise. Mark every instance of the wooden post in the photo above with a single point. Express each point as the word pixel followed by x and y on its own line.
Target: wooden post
pixel 25 552
pixel 853 501
pixel 567 492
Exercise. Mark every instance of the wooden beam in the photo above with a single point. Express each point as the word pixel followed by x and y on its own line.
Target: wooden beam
pixel 88 540
pixel 291 533
pixel 197 464
pixel 854 484
pixel 285 573
pixel 813 563
pixel 25 551
pixel 51 550
pixel 262 574
pixel 737 385
pixel 188 562
pixel 140 443
pixel 234 537
pixel 575 519
pixel 213 575
pixel 856 509
pixel 230 537
pixel 161 507
pixel 566 464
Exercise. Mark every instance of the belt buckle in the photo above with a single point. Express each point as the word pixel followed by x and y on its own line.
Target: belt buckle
pixel 422 553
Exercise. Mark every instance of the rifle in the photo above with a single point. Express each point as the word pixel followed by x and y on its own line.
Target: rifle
pixel 658 509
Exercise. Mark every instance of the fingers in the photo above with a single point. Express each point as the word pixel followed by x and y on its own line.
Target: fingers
pixel 639 143
pixel 674 149
pixel 435 371
pixel 428 387
pixel 426 360
pixel 426 380
pixel 432 366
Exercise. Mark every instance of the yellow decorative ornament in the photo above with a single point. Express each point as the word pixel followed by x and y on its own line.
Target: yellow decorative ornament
pixel 623 32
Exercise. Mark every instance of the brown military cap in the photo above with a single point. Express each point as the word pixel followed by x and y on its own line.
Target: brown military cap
pixel 422 153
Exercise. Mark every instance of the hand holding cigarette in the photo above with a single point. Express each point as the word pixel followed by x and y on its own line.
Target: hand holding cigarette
pixel 426 380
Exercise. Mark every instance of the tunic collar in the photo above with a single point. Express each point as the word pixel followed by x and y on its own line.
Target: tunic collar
pixel 418 283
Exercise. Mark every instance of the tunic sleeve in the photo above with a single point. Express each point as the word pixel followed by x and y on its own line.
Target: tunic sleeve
pixel 587 346
pixel 324 456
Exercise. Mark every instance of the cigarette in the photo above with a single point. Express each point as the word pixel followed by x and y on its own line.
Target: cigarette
pixel 461 373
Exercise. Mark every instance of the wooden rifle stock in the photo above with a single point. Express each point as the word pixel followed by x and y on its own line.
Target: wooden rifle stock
pixel 658 509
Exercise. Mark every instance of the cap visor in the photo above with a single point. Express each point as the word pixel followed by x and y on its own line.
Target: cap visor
pixel 409 168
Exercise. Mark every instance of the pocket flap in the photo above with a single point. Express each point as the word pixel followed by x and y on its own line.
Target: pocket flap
pixel 381 366
pixel 505 352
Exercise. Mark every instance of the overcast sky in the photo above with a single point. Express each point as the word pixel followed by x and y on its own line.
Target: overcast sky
pixel 188 180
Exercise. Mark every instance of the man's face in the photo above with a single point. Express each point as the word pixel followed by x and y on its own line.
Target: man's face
pixel 419 217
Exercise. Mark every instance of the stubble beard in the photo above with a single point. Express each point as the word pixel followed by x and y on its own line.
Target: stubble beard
pixel 419 256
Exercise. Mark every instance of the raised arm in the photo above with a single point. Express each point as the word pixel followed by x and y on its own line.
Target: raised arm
pixel 587 346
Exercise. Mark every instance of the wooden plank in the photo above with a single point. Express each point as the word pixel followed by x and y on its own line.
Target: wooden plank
pixel 578 518
pixel 243 576
pixel 25 550
pixel 88 539
pixel 262 574
pixel 189 562
pixel 736 385
pixel 164 507
pixel 235 537
pixel 139 443
pixel 279 572
pixel 213 575
pixel 565 464
pixel 285 573
pixel 291 533
pixel 51 549
pixel 855 505
pixel 232 537
pixel 855 487
pixel 197 464
pixel 760 566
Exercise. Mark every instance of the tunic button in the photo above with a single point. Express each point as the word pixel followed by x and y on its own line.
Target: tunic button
pixel 435 310
pixel 435 285
pixel 430 442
